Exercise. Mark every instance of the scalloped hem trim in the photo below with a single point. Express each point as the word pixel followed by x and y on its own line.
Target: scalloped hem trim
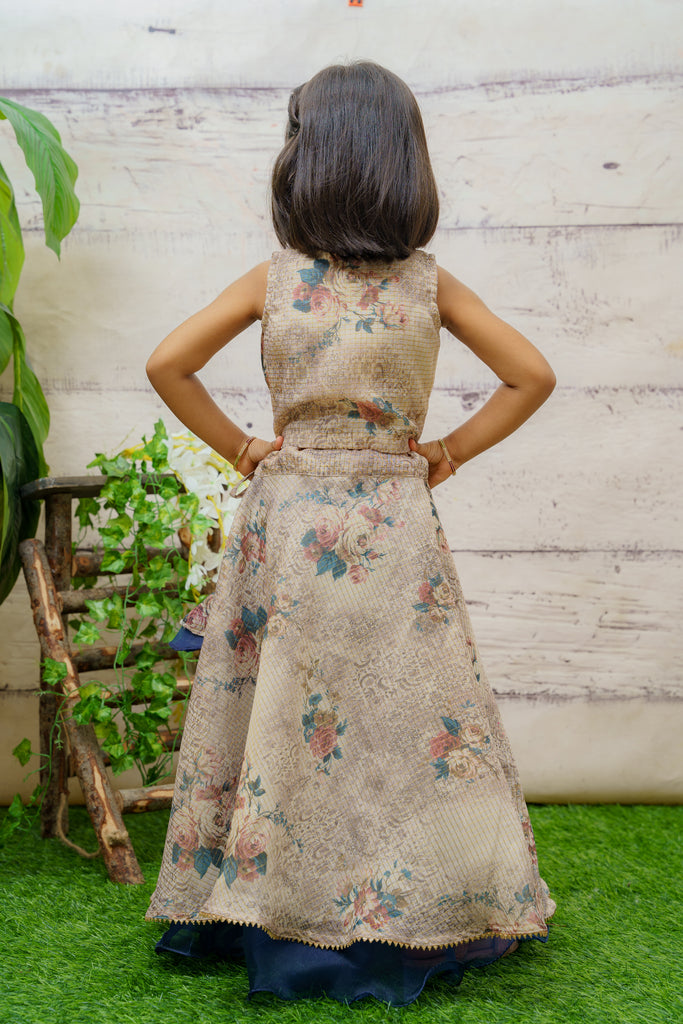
pixel 323 945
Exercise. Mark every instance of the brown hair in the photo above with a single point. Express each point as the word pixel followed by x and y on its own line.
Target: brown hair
pixel 354 177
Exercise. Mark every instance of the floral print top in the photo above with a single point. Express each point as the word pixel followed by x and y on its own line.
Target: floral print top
pixel 376 395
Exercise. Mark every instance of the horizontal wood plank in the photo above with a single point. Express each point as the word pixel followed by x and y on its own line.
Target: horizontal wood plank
pixel 603 304
pixel 263 42
pixel 577 626
pixel 551 625
pixel 592 469
pixel 189 160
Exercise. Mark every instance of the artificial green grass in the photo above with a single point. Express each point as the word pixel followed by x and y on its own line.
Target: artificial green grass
pixel 76 950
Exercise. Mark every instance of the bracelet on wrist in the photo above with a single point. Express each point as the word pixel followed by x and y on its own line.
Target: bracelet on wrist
pixel 447 456
pixel 243 449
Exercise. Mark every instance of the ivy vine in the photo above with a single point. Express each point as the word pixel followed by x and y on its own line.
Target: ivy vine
pixel 143 523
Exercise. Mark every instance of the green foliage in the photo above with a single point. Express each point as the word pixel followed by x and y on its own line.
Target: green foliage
pixel 19 464
pixel 22 460
pixel 140 507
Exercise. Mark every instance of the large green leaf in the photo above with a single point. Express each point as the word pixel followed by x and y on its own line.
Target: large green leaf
pixel 11 245
pixel 28 394
pixel 54 171
pixel 19 464
pixel 6 339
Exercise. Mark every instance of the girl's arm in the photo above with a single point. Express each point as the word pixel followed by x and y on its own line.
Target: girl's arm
pixel 526 377
pixel 172 367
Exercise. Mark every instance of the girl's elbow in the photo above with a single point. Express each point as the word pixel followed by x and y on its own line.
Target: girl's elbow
pixel 544 379
pixel 547 381
pixel 154 368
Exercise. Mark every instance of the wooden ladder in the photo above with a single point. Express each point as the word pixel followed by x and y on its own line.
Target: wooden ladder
pixel 49 569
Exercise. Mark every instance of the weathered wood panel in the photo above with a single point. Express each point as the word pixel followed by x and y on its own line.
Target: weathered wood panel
pixel 592 469
pixel 267 42
pixel 604 304
pixel 556 136
pixel 552 625
pixel 597 153
pixel 563 626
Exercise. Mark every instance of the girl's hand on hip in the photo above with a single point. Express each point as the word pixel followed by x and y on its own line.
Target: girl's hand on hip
pixel 439 470
pixel 256 452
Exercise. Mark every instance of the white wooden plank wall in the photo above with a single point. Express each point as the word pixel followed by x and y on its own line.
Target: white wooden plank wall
pixel 556 138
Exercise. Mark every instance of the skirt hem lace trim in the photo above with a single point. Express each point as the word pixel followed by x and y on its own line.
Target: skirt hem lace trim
pixel 325 945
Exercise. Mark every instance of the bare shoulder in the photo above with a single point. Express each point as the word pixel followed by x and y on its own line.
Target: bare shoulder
pixel 255 284
pixel 457 303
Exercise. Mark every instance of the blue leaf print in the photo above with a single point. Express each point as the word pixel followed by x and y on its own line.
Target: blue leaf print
pixel 202 861
pixel 229 870
pixel 308 538
pixel 451 725
pixel 303 307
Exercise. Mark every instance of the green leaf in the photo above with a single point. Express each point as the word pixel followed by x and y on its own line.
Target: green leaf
pixel 14 818
pixel 28 394
pixel 11 244
pixel 85 509
pixel 113 562
pixel 87 633
pixel 148 604
pixel 98 609
pixel 54 672
pixel 23 752
pixel 53 169
pixel 19 465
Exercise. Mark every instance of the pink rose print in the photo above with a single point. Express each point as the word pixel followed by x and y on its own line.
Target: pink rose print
pixel 369 296
pixel 365 902
pixel 247 870
pixel 314 551
pixel 323 302
pixel 425 593
pixel 246 655
pixel 253 548
pixel 184 828
pixel 358 573
pixel 323 741
pixel 370 412
pixel 440 745
pixel 373 515
pixel 378 917
pixel 237 627
pixel 327 527
pixel 392 315
pixel 303 292
pixel 251 843
pixel 373 902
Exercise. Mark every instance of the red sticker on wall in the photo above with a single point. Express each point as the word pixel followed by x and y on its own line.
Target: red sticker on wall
pixel 355 3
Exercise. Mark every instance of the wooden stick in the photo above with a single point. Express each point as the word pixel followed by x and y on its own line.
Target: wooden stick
pixel 145 798
pixel 54 811
pixel 102 805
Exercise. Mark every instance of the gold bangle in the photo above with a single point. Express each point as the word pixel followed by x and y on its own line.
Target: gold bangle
pixel 447 456
pixel 241 452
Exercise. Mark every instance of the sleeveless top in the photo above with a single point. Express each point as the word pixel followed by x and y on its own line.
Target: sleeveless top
pixel 349 350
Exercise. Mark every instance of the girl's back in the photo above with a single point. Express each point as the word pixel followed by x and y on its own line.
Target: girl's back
pixel 349 349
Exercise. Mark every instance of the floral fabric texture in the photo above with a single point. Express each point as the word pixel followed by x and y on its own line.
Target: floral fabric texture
pixel 344 772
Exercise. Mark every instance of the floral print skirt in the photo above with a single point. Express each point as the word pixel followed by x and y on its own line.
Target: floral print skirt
pixel 344 776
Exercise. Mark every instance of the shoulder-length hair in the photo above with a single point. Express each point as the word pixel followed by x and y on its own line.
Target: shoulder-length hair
pixel 354 177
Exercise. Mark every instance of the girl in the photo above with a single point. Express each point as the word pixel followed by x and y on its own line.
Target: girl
pixel 347 808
